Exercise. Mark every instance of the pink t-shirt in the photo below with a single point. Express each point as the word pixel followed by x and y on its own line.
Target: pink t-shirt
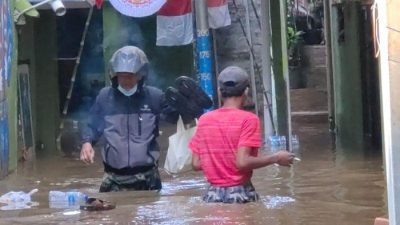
pixel 219 135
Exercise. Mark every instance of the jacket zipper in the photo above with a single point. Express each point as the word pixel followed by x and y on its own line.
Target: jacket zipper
pixel 127 124
pixel 140 124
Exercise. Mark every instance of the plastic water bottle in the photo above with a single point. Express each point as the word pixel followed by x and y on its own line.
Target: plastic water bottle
pixel 274 141
pixel 70 199
pixel 295 141
pixel 282 142
pixel 277 143
pixel 14 197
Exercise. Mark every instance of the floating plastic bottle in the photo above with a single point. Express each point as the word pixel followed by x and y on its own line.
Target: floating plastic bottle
pixel 14 197
pixel 277 143
pixel 70 199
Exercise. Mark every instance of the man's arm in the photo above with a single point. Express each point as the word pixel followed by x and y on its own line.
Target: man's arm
pixel 244 161
pixel 93 128
pixel 87 153
pixel 196 162
pixel 91 132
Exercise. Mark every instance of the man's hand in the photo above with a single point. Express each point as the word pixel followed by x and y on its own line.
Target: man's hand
pixel 284 158
pixel 87 153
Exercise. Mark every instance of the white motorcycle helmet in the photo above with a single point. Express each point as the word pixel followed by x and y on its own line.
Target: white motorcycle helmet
pixel 129 59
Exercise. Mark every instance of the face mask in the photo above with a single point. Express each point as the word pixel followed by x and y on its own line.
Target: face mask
pixel 129 92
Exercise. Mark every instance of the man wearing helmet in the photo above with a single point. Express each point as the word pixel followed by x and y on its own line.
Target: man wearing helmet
pixel 127 115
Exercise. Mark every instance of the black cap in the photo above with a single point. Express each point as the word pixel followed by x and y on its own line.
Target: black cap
pixel 233 80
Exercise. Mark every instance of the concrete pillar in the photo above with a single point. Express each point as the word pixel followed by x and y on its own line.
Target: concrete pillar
pixel 329 73
pixel 12 106
pixel 345 24
pixel 389 36
pixel 46 92
pixel 280 68
pixel 269 128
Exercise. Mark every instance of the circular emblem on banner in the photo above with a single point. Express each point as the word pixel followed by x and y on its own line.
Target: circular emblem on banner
pixel 137 8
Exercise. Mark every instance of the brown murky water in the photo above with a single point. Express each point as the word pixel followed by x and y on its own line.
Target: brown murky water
pixel 327 187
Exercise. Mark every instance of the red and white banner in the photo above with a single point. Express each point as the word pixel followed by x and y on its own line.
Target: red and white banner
pixel 137 8
pixel 99 3
pixel 175 21
pixel 218 14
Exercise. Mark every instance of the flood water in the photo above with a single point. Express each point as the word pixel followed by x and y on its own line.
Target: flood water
pixel 328 187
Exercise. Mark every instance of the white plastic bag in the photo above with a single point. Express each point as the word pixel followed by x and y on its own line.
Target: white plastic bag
pixel 17 200
pixel 179 156
pixel 17 196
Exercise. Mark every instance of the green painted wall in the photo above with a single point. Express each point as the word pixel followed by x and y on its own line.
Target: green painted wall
pixel 45 83
pixel 26 54
pixel 112 26
pixel 25 47
pixel 347 74
pixel 12 105
pixel 38 47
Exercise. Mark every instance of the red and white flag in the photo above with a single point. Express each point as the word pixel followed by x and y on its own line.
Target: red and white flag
pixel 218 14
pixel 99 3
pixel 175 21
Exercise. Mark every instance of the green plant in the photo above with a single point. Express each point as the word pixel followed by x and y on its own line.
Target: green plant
pixel 294 41
pixel 294 37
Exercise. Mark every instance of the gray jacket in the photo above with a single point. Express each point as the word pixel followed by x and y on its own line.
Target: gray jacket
pixel 129 126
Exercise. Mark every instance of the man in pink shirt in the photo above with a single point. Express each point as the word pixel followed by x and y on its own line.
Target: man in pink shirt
pixel 227 141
